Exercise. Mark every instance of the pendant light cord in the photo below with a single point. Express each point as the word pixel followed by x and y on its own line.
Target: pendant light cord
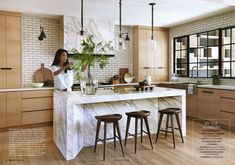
pixel 81 17
pixel 152 7
pixel 120 18
pixel 152 21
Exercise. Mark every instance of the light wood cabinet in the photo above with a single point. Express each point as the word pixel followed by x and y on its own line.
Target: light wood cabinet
pixel 3 110
pixel 37 107
pixel 208 103
pixel 10 109
pixel 27 107
pixel 10 50
pixel 13 109
pixel 192 105
pixel 148 60
pixel 227 107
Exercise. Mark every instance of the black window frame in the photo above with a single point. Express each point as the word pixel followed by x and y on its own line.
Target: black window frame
pixel 219 62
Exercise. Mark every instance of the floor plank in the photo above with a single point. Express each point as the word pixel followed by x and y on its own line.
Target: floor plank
pixel 163 153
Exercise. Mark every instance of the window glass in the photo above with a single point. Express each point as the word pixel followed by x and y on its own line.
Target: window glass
pixel 213 38
pixel 202 40
pixel 226 34
pixel 225 52
pixel 225 69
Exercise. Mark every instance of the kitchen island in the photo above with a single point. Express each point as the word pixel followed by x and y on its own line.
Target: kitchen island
pixel 74 122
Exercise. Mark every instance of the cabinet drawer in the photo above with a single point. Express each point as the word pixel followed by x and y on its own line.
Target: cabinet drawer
pixel 208 92
pixel 37 117
pixel 227 105
pixel 227 94
pixel 34 104
pixel 225 117
pixel 36 94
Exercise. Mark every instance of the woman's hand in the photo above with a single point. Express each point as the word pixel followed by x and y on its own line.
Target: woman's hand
pixel 67 65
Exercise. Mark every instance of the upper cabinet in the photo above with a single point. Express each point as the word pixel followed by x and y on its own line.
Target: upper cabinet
pixel 150 59
pixel 10 50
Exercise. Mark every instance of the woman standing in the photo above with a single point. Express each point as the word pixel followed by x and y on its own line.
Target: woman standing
pixel 63 74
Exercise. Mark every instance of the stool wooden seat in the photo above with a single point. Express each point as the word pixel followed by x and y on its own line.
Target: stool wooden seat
pixel 109 118
pixel 142 115
pixel 170 112
pixel 113 118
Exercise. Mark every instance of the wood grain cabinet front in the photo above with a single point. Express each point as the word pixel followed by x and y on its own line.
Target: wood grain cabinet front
pixel 37 106
pixel 208 103
pixel 13 109
pixel 3 109
pixel 10 50
pixel 227 107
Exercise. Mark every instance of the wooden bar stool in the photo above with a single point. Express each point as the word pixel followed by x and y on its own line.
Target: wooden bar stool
pixel 113 118
pixel 170 112
pixel 142 115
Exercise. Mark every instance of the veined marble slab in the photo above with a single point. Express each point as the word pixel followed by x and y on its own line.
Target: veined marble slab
pixel 74 114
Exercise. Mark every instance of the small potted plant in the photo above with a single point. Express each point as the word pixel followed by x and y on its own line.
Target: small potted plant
pixel 216 79
pixel 91 53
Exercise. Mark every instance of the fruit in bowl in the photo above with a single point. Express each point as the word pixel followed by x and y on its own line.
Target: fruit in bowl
pixel 37 85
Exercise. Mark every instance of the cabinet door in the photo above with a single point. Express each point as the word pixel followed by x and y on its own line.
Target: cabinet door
pixel 161 55
pixel 3 109
pixel 192 105
pixel 13 51
pixel 2 51
pixel 13 108
pixel 142 48
pixel 208 103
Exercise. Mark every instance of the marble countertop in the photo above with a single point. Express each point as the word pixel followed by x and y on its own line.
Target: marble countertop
pixel 25 89
pixel 124 94
pixel 225 87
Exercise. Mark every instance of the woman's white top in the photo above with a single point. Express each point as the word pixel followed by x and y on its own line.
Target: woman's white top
pixel 62 80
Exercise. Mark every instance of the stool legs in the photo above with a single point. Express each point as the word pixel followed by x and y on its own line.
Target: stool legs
pixel 159 125
pixel 105 129
pixel 141 130
pixel 167 122
pixel 136 124
pixel 147 126
pixel 97 133
pixel 119 136
pixel 127 128
pixel 172 128
pixel 114 135
pixel 178 121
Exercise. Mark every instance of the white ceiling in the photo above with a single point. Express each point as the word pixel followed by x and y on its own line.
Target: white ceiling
pixel 135 12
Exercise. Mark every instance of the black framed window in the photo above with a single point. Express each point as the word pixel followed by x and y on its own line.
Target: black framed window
pixel 203 54
pixel 228 52
pixel 181 56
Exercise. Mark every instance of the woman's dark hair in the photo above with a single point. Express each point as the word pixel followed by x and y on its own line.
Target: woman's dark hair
pixel 56 61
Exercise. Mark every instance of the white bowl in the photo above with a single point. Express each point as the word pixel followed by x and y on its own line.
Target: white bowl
pixel 37 85
pixel 128 77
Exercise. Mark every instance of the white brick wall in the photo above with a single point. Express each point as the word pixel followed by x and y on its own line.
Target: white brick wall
pixel 122 59
pixel 35 52
pixel 218 21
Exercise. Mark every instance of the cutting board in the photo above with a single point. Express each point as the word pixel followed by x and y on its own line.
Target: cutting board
pixel 44 75
pixel 122 72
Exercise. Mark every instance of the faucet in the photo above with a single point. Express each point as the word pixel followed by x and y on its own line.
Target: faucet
pixel 192 71
pixel 192 74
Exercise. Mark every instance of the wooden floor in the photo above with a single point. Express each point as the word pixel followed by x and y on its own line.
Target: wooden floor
pixel 163 153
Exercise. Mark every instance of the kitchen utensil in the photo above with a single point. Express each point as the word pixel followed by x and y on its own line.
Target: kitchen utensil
pixel 37 85
pixel 122 72
pixel 44 75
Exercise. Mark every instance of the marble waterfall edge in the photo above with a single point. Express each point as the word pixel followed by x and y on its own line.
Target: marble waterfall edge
pixel 74 115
